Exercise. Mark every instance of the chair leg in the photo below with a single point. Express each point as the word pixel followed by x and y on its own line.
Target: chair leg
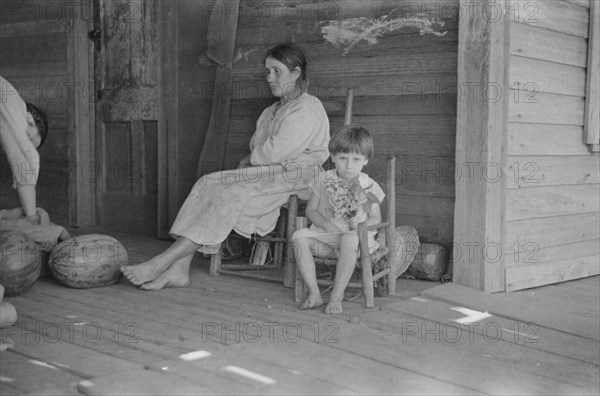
pixel 392 257
pixel 368 289
pixel 289 271
pixel 300 289
pixel 391 284
pixel 215 262
pixel 366 266
pixel 279 247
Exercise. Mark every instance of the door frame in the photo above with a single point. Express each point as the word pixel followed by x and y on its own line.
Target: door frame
pixel 82 147
pixel 168 117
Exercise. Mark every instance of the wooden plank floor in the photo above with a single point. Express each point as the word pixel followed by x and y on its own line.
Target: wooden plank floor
pixel 232 335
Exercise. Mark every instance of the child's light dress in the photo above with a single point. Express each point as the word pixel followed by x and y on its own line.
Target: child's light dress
pixel 319 187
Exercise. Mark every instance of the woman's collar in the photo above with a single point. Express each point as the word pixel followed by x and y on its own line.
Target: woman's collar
pixel 295 100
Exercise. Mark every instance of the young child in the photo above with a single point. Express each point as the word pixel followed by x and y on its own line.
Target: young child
pixel 340 200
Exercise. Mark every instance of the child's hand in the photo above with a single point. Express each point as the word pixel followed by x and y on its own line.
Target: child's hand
pixel 356 220
pixel 331 227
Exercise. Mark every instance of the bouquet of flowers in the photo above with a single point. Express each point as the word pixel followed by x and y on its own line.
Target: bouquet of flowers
pixel 347 197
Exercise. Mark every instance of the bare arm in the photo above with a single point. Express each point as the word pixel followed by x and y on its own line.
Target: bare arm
pixel 317 218
pixel 374 217
pixel 27 197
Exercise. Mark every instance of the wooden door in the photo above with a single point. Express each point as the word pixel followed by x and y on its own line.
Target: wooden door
pixel 126 78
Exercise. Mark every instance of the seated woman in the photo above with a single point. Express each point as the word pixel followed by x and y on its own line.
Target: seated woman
pixel 286 153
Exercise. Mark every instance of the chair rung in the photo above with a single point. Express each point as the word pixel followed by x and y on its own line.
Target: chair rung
pixel 326 261
pixel 325 282
pixel 264 276
pixel 378 226
pixel 271 239
pixel 244 267
pixel 381 274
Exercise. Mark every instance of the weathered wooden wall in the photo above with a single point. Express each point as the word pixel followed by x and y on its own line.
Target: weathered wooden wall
pixel 34 58
pixel 398 56
pixel 552 227
pixel 185 101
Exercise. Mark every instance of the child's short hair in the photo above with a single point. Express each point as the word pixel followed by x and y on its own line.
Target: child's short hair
pixel 352 139
pixel 39 117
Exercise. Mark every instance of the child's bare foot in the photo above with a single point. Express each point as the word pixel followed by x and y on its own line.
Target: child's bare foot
pixel 334 306
pixel 312 301
pixel 173 277
pixel 144 272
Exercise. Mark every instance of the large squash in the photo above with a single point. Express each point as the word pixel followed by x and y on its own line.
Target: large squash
pixel 20 262
pixel 86 261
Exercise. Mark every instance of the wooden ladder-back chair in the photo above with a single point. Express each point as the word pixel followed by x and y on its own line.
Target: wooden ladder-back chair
pixel 384 275
pixel 281 237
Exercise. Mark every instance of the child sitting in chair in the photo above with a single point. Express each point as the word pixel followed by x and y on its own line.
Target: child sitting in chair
pixel 340 200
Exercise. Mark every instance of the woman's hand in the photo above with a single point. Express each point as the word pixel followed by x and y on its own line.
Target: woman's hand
pixel 245 162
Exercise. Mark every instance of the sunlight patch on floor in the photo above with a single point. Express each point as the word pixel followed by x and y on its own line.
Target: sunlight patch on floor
pixel 472 315
pixel 250 374
pixel 195 355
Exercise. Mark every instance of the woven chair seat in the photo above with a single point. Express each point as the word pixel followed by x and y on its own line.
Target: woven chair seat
pixel 375 257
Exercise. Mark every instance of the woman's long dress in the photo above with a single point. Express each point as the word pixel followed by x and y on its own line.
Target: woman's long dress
pixel 287 151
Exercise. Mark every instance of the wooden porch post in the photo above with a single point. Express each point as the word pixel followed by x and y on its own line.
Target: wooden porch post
pixel 168 118
pixel 482 114
pixel 81 148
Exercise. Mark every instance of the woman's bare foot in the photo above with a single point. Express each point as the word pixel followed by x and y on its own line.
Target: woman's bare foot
pixel 173 277
pixel 334 306
pixel 312 301
pixel 144 272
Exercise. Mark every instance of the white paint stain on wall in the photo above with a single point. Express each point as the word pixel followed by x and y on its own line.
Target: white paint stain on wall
pixel 205 60
pixel 241 54
pixel 347 33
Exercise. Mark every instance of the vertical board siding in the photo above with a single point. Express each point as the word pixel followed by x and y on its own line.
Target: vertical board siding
pixel 196 74
pixel 400 57
pixel 552 225
pixel 33 57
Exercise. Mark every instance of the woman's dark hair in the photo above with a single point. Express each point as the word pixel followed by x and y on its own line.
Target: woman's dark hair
pixel 352 139
pixel 292 56
pixel 40 121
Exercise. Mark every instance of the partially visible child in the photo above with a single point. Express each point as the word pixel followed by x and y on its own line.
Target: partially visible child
pixel 340 200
